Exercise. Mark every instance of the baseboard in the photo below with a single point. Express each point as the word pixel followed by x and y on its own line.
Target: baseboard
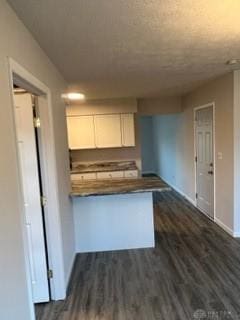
pixel 149 173
pixel 69 274
pixel 236 234
pixel 216 220
pixel 224 227
pixel 193 202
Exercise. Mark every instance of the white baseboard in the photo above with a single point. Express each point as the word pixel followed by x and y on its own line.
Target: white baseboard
pixel 193 202
pixel 236 234
pixel 216 220
pixel 224 227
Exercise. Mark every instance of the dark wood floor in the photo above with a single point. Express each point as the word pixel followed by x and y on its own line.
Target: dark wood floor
pixel 193 273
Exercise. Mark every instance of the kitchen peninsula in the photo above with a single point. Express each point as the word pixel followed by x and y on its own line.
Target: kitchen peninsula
pixel 114 214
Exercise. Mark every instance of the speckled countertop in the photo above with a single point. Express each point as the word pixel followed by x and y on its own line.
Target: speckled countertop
pixel 103 166
pixel 117 186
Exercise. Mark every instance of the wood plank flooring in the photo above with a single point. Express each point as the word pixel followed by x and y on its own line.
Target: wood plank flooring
pixel 193 273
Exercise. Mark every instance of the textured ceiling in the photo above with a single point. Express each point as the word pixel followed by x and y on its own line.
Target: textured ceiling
pixel 135 48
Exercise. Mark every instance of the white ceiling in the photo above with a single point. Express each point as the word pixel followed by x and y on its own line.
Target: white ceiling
pixel 135 48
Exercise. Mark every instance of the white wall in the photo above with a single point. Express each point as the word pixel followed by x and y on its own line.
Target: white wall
pixel 16 42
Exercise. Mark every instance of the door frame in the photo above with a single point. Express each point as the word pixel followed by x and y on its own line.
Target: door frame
pixel 211 104
pixel 52 219
pixel 236 125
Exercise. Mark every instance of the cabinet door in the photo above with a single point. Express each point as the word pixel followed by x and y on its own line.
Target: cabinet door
pixel 128 130
pixel 83 176
pixel 110 175
pixel 108 131
pixel 131 173
pixel 81 132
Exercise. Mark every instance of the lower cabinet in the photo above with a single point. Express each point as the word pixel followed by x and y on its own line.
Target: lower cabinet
pixel 105 175
pixel 110 175
pixel 131 174
pixel 83 176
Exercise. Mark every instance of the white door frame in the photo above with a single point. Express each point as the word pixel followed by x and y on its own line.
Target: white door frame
pixel 236 123
pixel 211 104
pixel 53 223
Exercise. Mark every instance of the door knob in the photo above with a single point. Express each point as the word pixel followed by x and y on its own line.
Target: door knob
pixel 210 172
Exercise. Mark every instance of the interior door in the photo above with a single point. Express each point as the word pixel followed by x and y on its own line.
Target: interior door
pixel 32 198
pixel 204 160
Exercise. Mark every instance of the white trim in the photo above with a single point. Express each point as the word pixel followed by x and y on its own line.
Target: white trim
pixel 55 252
pixel 224 227
pixel 211 104
pixel 236 234
pixel 193 202
pixel 236 124
pixel 217 221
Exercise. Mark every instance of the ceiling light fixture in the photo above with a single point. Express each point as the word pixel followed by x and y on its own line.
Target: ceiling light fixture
pixel 233 62
pixel 73 96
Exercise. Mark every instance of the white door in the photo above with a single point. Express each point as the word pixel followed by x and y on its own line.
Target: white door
pixel 32 199
pixel 204 160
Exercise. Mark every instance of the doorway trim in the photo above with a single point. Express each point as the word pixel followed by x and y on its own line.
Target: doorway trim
pixel 236 124
pixel 53 223
pixel 211 104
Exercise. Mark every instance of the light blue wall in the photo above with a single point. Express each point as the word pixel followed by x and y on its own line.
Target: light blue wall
pixel 161 141
pixel 147 151
pixel 166 146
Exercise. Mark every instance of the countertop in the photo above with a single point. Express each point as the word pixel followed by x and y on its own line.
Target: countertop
pixel 104 166
pixel 117 186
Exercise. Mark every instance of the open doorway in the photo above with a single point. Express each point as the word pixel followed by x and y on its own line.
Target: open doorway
pixel 204 159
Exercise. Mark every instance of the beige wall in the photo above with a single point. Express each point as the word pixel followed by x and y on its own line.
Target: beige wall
pixel 16 42
pixel 107 154
pixel 158 106
pixel 219 91
pixel 104 106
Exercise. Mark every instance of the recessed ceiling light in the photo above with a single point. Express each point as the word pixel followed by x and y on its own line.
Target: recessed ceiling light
pixel 233 62
pixel 73 96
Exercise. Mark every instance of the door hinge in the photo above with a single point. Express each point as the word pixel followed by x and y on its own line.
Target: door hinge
pixel 37 122
pixel 196 159
pixel 196 195
pixel 43 201
pixel 50 274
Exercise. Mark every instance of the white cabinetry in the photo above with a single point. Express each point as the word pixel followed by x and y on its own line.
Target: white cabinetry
pixel 131 174
pixel 81 132
pixel 83 176
pixel 110 175
pixel 108 131
pixel 101 131
pixel 128 132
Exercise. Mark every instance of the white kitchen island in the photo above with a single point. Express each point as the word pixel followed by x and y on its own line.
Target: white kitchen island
pixel 114 214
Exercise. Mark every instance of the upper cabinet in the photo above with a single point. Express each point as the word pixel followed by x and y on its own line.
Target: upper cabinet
pixel 127 129
pixel 101 131
pixel 81 132
pixel 108 131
